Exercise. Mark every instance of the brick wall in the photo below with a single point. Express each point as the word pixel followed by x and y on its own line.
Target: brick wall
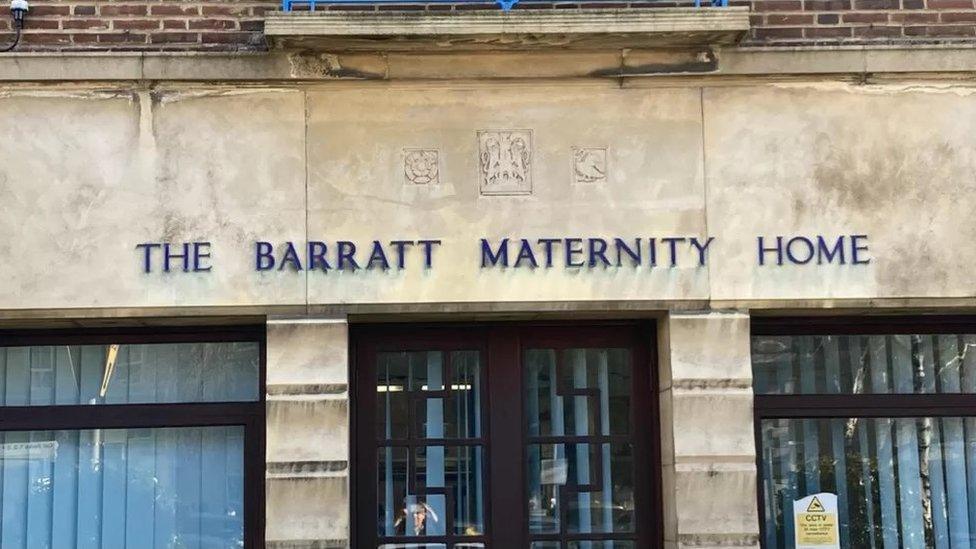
pixel 798 22
pixel 234 25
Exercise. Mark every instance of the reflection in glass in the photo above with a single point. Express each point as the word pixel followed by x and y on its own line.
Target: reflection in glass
pixel 404 377
pixel 126 488
pixel 439 489
pixel 579 462
pixel 900 482
pixel 408 509
pixel 555 471
pixel 606 411
pixel 129 374
pixel 864 364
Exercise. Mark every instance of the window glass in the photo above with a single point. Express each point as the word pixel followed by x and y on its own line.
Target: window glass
pixel 864 364
pixel 427 488
pixel 579 463
pixel 129 374
pixel 154 488
pixel 900 482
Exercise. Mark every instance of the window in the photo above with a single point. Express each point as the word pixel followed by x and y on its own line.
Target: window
pixel 505 437
pixel 880 413
pixel 131 439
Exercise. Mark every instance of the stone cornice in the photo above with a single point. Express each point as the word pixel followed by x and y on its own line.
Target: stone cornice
pixel 515 30
pixel 861 63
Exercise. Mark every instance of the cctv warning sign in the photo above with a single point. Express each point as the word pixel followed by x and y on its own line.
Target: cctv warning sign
pixel 815 522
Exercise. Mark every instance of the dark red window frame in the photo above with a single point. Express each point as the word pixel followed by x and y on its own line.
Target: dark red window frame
pixel 501 346
pixel 250 415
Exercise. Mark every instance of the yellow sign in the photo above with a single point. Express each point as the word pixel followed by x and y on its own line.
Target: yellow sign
pixel 815 520
pixel 815 506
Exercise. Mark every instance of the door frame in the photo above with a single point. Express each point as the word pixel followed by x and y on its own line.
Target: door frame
pixel 501 344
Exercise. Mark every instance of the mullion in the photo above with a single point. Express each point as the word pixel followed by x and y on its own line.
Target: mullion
pixel 25 418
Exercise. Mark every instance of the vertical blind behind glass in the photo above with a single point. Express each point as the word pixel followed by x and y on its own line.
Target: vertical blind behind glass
pixel 161 488
pixel 153 373
pixel 864 364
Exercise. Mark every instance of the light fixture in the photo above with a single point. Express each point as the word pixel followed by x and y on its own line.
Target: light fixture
pixel 18 10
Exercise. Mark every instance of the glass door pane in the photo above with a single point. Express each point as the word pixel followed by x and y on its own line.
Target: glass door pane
pixel 580 459
pixel 430 452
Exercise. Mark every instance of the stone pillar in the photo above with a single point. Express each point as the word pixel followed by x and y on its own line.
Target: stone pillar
pixel 708 441
pixel 307 477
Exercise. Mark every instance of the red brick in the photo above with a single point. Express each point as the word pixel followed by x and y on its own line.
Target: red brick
pixel 877 4
pixel 45 10
pixel 212 24
pixel 950 4
pixel 231 11
pixel 171 9
pixel 828 19
pixel 84 24
pixel 958 17
pixel 84 10
pixel 953 30
pixel 41 24
pixel 789 19
pixel 254 26
pixel 865 17
pixel 135 24
pixel 826 5
pixel 779 33
pixel 174 37
pixel 111 10
pixel 84 38
pixel 45 38
pixel 915 17
pixel 777 5
pixel 226 37
pixel 828 32
pixel 121 37
pixel 877 31
pixel 174 24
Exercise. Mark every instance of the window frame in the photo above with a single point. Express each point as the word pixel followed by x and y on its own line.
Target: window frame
pixel 501 345
pixel 249 415
pixel 865 405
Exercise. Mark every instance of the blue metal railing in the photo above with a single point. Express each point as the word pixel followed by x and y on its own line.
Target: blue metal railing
pixel 505 5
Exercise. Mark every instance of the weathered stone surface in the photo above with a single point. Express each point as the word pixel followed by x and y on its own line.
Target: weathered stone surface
pixel 363 197
pixel 775 168
pixel 713 425
pixel 710 350
pixel 307 510
pixel 308 351
pixel 304 430
pixel 87 175
pixel 716 501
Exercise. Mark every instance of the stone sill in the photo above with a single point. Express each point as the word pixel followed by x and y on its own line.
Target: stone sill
pixel 514 30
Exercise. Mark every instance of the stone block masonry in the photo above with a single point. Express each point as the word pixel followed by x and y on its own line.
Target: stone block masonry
pixel 237 25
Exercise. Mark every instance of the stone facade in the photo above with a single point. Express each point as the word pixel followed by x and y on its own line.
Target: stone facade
pixel 102 153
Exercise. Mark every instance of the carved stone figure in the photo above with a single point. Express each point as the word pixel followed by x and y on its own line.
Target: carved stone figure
pixel 420 166
pixel 506 161
pixel 589 165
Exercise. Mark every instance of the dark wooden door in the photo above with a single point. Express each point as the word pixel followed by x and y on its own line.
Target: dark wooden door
pixel 505 436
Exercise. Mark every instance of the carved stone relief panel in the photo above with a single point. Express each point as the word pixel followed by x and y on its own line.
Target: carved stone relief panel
pixel 505 161
pixel 421 166
pixel 589 165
